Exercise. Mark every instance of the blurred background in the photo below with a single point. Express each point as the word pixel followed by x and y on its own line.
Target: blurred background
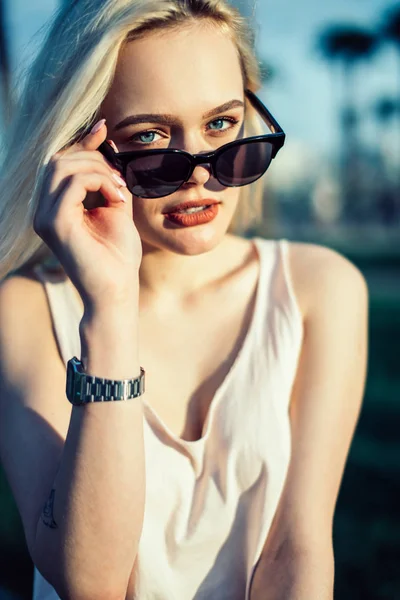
pixel 332 80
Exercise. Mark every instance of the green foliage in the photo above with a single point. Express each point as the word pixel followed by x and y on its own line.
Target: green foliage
pixel 15 563
pixel 367 526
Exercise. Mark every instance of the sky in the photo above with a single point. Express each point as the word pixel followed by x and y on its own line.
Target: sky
pixel 305 92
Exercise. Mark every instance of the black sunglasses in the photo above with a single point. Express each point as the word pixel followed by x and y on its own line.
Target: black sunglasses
pixel 158 173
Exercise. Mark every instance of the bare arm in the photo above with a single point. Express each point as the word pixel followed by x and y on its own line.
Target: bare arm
pixel 84 465
pixel 98 474
pixel 297 561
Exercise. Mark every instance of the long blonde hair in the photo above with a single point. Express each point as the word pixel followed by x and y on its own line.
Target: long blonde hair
pixel 65 88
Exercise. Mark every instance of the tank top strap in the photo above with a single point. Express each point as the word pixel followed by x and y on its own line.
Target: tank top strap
pixel 289 296
pixel 278 332
pixel 278 314
pixel 63 310
pixel 269 262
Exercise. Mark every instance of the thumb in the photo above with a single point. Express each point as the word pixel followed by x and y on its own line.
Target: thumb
pixel 96 136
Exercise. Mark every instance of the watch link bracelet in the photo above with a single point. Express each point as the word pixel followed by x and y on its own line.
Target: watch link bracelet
pixel 83 388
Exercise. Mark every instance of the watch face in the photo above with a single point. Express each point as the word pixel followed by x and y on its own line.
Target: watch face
pixel 72 376
pixel 70 380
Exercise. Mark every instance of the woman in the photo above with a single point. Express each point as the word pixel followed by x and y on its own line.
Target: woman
pixel 221 480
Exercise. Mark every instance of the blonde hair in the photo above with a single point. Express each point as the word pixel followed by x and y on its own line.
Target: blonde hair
pixel 66 86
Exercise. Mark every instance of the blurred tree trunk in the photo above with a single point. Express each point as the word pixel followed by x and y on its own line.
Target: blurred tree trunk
pixel 347 45
pixel 391 29
pixel 5 66
pixel 391 32
pixel 385 110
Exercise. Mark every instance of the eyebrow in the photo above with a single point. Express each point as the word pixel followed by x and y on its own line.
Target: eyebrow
pixel 170 120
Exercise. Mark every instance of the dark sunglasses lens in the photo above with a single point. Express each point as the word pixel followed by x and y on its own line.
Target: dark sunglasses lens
pixel 157 175
pixel 244 163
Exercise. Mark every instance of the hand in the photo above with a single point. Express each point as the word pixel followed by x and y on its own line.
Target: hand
pixel 99 248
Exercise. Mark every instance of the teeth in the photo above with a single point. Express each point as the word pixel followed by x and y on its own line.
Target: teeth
pixel 193 210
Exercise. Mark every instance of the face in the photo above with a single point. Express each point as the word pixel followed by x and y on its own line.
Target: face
pixel 179 89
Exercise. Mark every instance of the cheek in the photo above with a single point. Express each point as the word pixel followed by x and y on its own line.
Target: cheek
pixel 144 208
pixel 231 197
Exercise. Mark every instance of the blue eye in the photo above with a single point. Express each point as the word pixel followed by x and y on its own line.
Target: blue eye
pixel 218 124
pixel 147 137
pixel 222 124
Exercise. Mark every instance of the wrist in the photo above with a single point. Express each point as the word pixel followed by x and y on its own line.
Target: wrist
pixel 110 344
pixel 114 301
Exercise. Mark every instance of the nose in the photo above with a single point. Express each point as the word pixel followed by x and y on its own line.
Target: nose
pixel 200 175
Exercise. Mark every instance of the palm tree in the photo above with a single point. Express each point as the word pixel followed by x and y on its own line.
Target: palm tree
pixel 347 45
pixel 385 109
pixel 4 65
pixel 391 31
pixel 391 27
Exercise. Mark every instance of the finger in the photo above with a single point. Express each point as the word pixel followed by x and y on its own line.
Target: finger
pixel 113 146
pixel 91 155
pixel 91 141
pixel 80 184
pixel 62 169
pixel 79 154
pixel 95 137
pixel 74 191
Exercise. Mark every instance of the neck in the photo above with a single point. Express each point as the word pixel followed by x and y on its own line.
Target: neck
pixel 167 275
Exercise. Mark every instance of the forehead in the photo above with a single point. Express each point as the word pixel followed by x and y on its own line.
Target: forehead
pixel 185 72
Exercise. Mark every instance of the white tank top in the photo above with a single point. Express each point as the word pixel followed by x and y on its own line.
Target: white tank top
pixel 210 502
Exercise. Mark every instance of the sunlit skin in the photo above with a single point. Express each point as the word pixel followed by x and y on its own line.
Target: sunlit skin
pixel 187 75
pixel 194 292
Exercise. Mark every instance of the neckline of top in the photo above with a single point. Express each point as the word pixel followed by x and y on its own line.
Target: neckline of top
pixel 219 393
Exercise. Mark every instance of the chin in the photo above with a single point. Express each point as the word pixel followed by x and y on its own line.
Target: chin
pixel 186 241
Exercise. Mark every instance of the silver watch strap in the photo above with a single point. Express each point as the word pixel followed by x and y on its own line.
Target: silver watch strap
pixel 96 389
pixel 83 388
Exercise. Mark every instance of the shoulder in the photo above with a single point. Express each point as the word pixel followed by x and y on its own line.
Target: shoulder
pixel 19 282
pixel 30 361
pixel 24 318
pixel 327 392
pixel 322 276
pixel 21 295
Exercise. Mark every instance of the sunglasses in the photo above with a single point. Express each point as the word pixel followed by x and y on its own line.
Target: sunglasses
pixel 159 173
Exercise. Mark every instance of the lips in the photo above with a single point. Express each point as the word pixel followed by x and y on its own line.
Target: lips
pixel 190 204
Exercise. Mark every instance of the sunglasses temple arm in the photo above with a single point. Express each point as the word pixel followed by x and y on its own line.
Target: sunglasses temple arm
pixel 264 112
pixel 108 152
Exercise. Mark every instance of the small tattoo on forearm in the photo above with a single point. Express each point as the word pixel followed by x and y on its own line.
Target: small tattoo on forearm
pixel 47 513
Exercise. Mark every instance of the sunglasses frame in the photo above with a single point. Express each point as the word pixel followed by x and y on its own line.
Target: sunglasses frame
pixel 121 160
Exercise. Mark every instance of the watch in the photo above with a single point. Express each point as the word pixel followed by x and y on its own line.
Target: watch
pixel 83 388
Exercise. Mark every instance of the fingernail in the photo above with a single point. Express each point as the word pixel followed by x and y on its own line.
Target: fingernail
pixel 119 180
pixel 120 194
pixel 113 146
pixel 98 126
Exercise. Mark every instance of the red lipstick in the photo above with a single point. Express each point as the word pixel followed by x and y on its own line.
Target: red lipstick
pixel 207 212
pixel 190 204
